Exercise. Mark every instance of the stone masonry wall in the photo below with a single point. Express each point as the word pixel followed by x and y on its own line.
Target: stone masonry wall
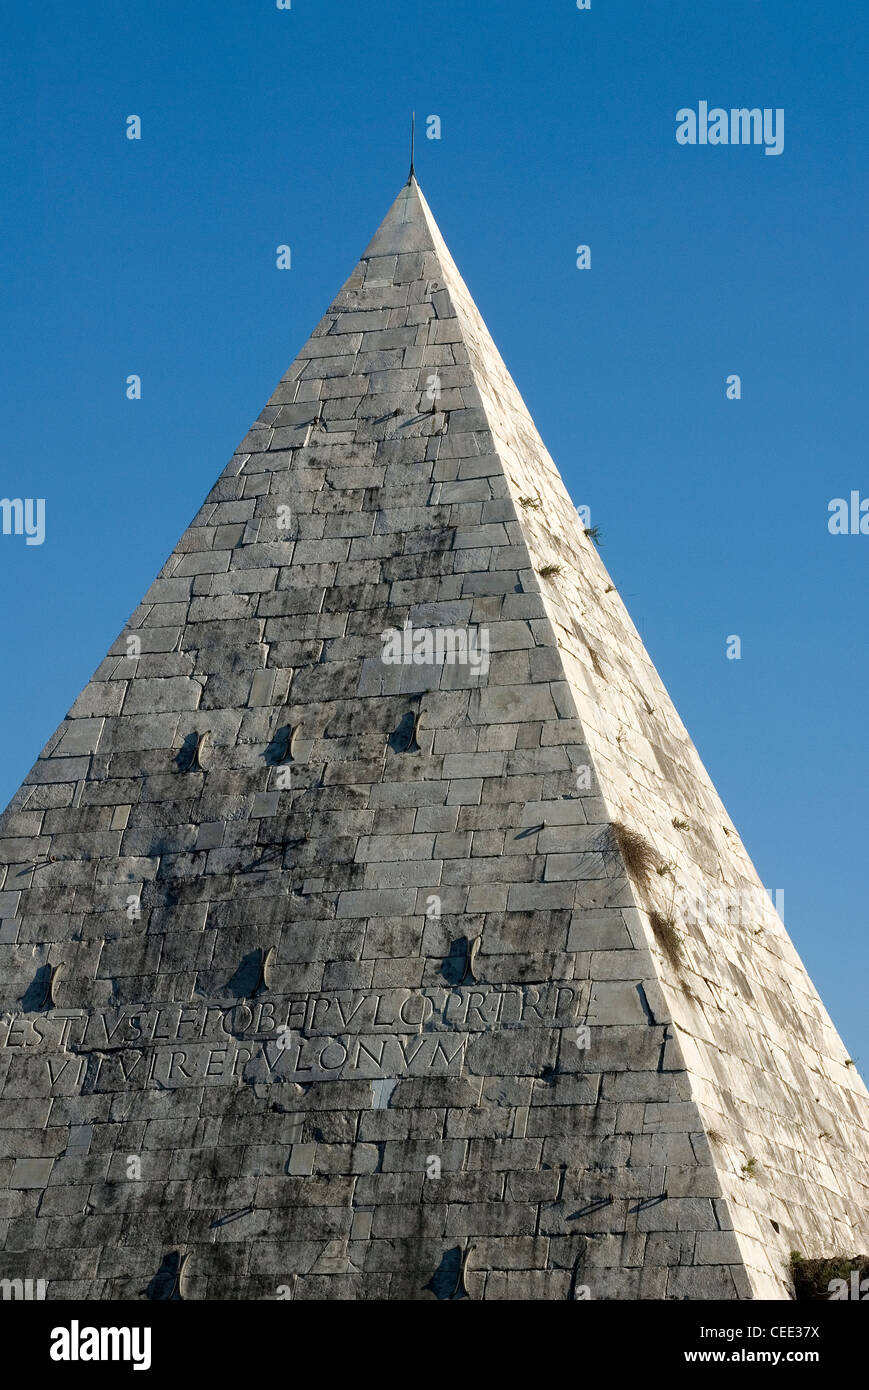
pixel 324 977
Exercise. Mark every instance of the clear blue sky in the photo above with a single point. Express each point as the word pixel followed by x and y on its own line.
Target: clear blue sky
pixel 263 126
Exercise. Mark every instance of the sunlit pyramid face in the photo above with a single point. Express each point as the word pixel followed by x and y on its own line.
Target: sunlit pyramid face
pixel 371 927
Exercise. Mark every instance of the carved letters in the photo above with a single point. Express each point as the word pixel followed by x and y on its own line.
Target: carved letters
pixel 353 1035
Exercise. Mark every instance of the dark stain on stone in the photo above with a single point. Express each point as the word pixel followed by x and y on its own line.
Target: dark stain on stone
pixel 89 1080
pixel 279 750
pixel 249 978
pixel 403 738
pixel 188 756
pixel 165 1287
pixel 448 1280
pixel 458 965
pixel 38 997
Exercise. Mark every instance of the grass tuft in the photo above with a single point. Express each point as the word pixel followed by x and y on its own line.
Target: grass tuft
pixel 812 1278
pixel 667 937
pixel 639 857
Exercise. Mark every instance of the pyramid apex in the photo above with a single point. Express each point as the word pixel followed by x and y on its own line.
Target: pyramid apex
pixel 407 225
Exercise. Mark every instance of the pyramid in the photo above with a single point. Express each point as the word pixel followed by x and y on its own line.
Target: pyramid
pixel 370 928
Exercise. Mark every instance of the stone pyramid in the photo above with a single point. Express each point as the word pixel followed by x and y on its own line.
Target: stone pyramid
pixel 371 928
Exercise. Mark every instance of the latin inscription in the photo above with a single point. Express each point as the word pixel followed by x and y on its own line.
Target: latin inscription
pixel 352 1035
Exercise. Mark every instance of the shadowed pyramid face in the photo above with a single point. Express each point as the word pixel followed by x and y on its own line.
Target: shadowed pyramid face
pixel 359 926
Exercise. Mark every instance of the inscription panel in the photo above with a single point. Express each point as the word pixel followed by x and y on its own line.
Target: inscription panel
pixel 350 1035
